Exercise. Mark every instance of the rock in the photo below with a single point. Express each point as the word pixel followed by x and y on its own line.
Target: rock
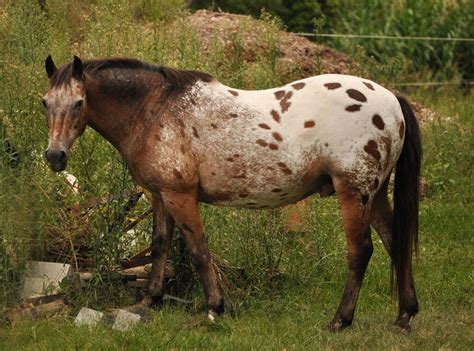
pixel 43 278
pixel 89 317
pixel 125 320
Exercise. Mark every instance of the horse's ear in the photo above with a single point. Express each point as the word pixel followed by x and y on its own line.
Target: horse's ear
pixel 77 68
pixel 50 66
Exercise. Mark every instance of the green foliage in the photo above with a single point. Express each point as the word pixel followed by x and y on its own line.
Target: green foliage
pixel 443 60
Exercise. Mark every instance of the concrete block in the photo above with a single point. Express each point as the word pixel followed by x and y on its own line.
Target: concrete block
pixel 125 320
pixel 89 317
pixel 43 278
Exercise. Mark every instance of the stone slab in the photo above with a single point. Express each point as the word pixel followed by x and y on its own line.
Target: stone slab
pixel 89 317
pixel 125 320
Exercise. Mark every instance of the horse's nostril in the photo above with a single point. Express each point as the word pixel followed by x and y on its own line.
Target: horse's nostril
pixel 62 155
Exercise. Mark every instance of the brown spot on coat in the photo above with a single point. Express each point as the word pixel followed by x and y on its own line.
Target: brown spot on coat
pixel 195 132
pixel 177 173
pixel 273 146
pixel 193 101
pixel 378 122
pixel 332 86
pixel 298 86
pixel 233 92
pixel 244 195
pixel 277 136
pixel 213 125
pixel 279 94
pixel 368 85
pixel 372 149
pixel 353 108
pixel 230 159
pixel 309 124
pixel 276 190
pixel 401 130
pixel 264 126
pixel 181 123
pixel 275 115
pixel 236 155
pixel 284 168
pixel 233 115
pixel 356 95
pixel 261 142
pixel 285 102
pixel 183 150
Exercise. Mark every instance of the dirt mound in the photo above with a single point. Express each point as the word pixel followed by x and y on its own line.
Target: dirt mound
pixel 252 38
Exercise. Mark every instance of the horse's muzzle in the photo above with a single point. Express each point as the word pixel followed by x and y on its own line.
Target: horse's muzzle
pixel 57 159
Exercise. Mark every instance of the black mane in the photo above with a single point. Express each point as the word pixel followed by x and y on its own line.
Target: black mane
pixel 177 79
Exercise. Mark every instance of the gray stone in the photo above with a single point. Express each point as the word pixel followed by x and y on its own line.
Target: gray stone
pixel 125 320
pixel 89 317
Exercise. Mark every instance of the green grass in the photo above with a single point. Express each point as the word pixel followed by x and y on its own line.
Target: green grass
pixel 294 311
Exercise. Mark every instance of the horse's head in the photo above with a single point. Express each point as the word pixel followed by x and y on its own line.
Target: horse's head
pixel 65 105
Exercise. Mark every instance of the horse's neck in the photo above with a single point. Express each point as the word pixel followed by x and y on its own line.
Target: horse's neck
pixel 113 119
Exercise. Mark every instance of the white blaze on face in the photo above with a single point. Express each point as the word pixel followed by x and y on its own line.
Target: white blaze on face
pixel 64 115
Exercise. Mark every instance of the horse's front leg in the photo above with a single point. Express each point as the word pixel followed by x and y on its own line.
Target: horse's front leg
pixel 183 207
pixel 163 226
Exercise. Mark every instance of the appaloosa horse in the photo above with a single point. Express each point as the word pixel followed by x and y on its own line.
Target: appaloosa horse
pixel 188 138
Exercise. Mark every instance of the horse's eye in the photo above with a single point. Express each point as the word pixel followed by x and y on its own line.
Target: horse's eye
pixel 78 105
pixel 43 101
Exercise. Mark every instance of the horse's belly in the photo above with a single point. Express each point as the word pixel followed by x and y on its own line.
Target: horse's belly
pixel 268 187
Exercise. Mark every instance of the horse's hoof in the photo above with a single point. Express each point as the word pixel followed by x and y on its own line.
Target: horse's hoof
pixel 403 321
pixel 337 324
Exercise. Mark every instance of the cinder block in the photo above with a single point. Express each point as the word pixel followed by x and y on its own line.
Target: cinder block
pixel 89 317
pixel 125 320
pixel 43 278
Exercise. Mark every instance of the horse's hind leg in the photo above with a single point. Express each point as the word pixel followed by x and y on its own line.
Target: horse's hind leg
pixel 183 207
pixel 356 217
pixel 163 226
pixel 382 217
pixel 382 221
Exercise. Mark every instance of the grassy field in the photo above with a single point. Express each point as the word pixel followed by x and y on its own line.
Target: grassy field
pixel 285 311
pixel 293 313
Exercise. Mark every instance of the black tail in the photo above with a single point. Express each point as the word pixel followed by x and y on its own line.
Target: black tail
pixel 405 211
